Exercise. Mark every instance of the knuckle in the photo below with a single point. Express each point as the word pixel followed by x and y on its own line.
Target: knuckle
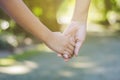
pixel 65 45
pixel 61 50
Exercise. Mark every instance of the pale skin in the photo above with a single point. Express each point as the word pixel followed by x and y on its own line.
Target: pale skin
pixel 77 28
pixel 24 17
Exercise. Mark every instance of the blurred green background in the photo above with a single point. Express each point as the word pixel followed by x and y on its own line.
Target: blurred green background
pixel 23 57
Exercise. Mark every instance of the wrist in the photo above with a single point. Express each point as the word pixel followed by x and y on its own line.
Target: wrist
pixel 77 23
pixel 45 36
pixel 82 18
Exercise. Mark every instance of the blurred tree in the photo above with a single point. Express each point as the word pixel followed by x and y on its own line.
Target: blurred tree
pixel 104 10
pixel 65 11
pixel 46 11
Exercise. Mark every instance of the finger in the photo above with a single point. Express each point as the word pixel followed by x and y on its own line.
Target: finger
pixel 72 41
pixel 77 48
pixel 65 54
pixel 71 44
pixel 65 57
pixel 59 55
pixel 71 48
pixel 69 52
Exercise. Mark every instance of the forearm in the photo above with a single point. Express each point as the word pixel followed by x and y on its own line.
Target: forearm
pixel 81 11
pixel 23 16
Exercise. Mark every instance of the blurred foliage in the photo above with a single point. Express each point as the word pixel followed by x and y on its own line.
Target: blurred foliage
pixel 5 45
pixel 65 11
pixel 46 11
pixel 106 12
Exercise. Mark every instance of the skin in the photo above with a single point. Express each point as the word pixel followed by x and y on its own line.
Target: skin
pixel 24 17
pixel 77 28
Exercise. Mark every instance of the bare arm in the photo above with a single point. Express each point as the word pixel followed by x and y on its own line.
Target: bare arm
pixel 80 22
pixel 77 27
pixel 81 11
pixel 23 16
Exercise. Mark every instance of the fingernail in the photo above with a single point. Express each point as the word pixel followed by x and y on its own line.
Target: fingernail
pixel 65 55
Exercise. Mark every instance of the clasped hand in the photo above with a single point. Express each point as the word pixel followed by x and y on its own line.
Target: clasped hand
pixel 76 33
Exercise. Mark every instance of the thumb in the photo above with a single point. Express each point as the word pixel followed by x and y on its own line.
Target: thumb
pixel 58 33
pixel 77 47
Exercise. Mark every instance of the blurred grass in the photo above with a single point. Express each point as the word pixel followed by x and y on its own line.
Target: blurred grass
pixel 11 59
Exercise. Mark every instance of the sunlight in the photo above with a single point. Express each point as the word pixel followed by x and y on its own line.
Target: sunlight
pixel 65 12
pixel 6 62
pixel 64 19
pixel 37 11
pixel 113 17
pixel 95 28
pixel 12 40
pixel 19 68
pixel 97 70
pixel 82 64
pixel 31 64
pixel 4 25
pixel 43 47
pixel 66 73
pixel 28 41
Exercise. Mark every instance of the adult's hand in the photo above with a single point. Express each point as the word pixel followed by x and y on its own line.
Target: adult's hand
pixel 77 32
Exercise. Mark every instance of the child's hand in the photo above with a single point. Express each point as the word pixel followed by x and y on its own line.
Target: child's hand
pixel 60 44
